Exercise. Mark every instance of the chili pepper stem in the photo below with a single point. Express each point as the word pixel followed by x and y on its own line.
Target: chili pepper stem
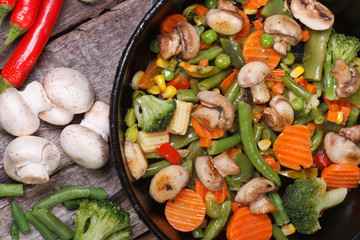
pixel 4 10
pixel 4 84
pixel 14 32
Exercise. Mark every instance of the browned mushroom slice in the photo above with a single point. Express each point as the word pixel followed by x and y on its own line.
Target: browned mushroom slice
pixel 285 31
pixel 312 13
pixel 262 205
pixel 169 44
pixel 224 21
pixel 208 174
pixel 227 5
pixel 226 165
pixel 280 114
pixel 340 149
pixel 190 40
pixel 208 117
pixel 347 77
pixel 135 159
pixel 353 133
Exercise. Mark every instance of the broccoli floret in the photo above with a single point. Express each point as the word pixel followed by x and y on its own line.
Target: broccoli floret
pixel 306 198
pixel 100 219
pixel 154 114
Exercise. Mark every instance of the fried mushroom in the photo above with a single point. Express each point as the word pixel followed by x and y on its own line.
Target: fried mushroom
pixel 280 114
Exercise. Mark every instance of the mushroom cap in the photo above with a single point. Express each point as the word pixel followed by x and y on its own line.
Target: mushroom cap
pixel 352 133
pixel 312 13
pixel 56 116
pixel 252 74
pixel 16 116
pixel 280 114
pixel 69 89
pixel 208 117
pixel 224 21
pixel 84 146
pixel 31 159
pixel 284 27
pixel 347 77
pixel 135 159
pixel 253 189
pixel 226 165
pixel 208 175
pixel 168 182
pixel 169 44
pixel 340 149
pixel 262 205
pixel 190 40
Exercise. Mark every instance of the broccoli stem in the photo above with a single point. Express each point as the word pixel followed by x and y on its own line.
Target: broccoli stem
pixel 330 199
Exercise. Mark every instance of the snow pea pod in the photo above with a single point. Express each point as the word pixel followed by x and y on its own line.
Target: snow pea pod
pixel 194 151
pixel 303 173
pixel 209 54
pixel 212 209
pixel 216 224
pixel 233 49
pixel 274 7
pixel 179 141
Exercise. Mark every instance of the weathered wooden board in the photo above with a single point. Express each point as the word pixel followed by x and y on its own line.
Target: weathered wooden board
pixel 94 48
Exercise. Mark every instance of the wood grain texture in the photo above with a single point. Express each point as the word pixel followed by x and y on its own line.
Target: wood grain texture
pixel 94 48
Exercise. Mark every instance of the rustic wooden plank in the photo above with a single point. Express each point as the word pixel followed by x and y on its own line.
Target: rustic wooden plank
pixel 94 48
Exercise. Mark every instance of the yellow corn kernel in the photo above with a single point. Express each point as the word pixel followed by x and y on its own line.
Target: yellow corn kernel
pixel 136 79
pixel 340 117
pixel 250 11
pixel 216 90
pixel 283 10
pixel 288 229
pixel 180 121
pixel 162 63
pixel 269 84
pixel 154 90
pixel 160 82
pixel 357 61
pixel 170 92
pixel 297 72
pixel 264 144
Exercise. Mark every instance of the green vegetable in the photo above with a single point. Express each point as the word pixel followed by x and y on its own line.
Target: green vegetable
pixel 222 61
pixel 97 220
pixel 172 64
pixel 317 115
pixel 14 230
pixel 11 190
pixel 189 165
pixel 353 117
pixel 195 151
pixel 214 80
pixel 179 141
pixel 44 231
pixel 280 217
pixel 354 98
pixel 194 85
pixel 19 217
pixel 277 233
pixel 71 204
pixel 197 233
pixel 257 132
pixel 303 173
pixel 267 40
pixel 306 198
pixel 289 59
pixel 154 119
pixel 342 47
pixel 216 224
pixel 189 12
pixel 296 88
pixel 316 140
pixel 130 117
pixel 136 94
pixel 187 95
pixel 297 104
pixel 232 91
pixel 223 144
pixel 131 133
pixel 274 7
pixel 154 46
pixel 233 49
pixel 210 4
pixel 209 36
pixel 247 170
pixel 154 168
pixel 167 74
pixel 250 147
pixel 209 54
pixel 212 209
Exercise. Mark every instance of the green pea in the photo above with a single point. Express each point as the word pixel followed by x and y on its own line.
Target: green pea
pixel 167 74
pixel 289 59
pixel 222 61
pixel 297 103
pixel 267 40
pixel 209 36
pixel 154 46
pixel 210 4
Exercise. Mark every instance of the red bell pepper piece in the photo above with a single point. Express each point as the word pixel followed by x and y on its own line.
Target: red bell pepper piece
pixel 169 153
pixel 6 6
pixel 321 160
pixel 180 83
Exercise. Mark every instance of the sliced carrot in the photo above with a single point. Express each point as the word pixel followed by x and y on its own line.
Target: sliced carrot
pixel 205 142
pixel 341 176
pixel 244 226
pixel 258 24
pixel 331 116
pixel 220 195
pixel 311 88
pixel 333 107
pixel 232 152
pixel 292 147
pixel 275 165
pixel 204 62
pixel 245 31
pixel 277 88
pixel 200 10
pixel 167 25
pixel 225 84
pixel 254 51
pixel 251 4
pixel 234 206
pixel 147 80
pixel 305 36
pixel 312 128
pixel 346 112
pixel 186 211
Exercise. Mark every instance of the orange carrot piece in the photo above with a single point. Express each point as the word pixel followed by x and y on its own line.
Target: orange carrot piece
pixel 346 112
pixel 258 24
pixel 204 62
pixel 276 75
pixel 311 88
pixel 333 107
pixel 244 226
pixel 232 152
pixel 205 142
pixel 200 10
pixel 278 88
pixel 275 165
pixel 220 195
pixel 292 147
pixel 341 176
pixel 305 36
pixel 186 211
pixel 147 80
pixel 312 128
pixel 245 31
pixel 167 25
pixel 331 116
pixel 254 51
pixel 225 84
pixel 234 206
pixel 251 4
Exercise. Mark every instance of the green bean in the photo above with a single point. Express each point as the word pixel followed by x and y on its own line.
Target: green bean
pixel 197 233
pixel 232 91
pixel 233 49
pixel 71 204
pixel 323 107
pixel 243 95
pixel 277 233
pixel 214 80
pixel 331 127
pixel 330 82
pixel 11 190
pixel 274 7
pixel 172 64
pixel 155 167
pixel 296 88
pixel 354 98
pixel 251 150
pixel 209 54
pixel 188 164
pixel 223 144
pixel 187 95
pixel 302 120
pixel 247 170
pixel 212 209
pixel 314 54
pixel 44 231
pixel 265 134
pixel 317 115
pixel 131 133
pixel 195 151
pixel 316 140
pixel 179 141
pixel 58 227
pixel 280 217
pixel 216 224
pixel 72 192
pixel 273 135
pixel 130 117
pixel 194 83
pixel 257 131
pixel 353 117
pixel 14 230
pixel 19 217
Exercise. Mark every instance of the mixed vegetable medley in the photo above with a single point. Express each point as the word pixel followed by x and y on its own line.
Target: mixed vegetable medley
pixel 238 98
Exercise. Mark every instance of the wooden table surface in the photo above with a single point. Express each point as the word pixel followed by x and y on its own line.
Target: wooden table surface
pixel 91 39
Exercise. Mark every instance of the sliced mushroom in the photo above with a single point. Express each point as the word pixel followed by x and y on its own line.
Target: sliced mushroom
pixel 280 114
pixel 217 101
pixel 31 159
pixel 312 13
pixel 340 149
pixel 253 189
pixel 253 75
pixel 135 159
pixel 227 5
pixel 183 39
pixel 168 182
pixel 262 205
pixel 226 165
pixel 208 117
pixel 208 175
pixel 352 133
pixel 347 77
pixel 285 31
pixel 224 21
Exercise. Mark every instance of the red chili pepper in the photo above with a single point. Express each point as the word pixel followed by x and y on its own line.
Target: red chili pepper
pixel 30 47
pixel 22 18
pixel 6 6
pixel 170 153
pixel 321 160
pixel 180 83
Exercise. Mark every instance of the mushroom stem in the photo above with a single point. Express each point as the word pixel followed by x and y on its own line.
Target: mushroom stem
pixel 36 97
pixel 33 173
